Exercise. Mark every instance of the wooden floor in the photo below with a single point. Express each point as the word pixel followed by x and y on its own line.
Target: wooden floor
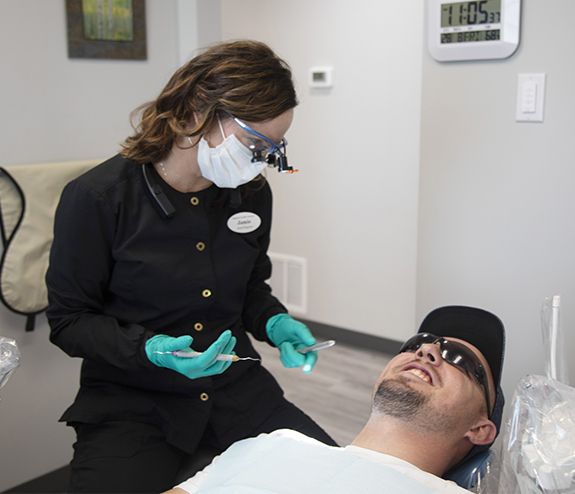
pixel 337 393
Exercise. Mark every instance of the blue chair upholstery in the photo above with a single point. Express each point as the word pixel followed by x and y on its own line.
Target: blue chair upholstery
pixel 471 472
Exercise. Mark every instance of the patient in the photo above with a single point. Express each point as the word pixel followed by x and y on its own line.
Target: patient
pixel 432 407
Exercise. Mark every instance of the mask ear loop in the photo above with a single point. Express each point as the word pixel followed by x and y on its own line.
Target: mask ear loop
pixel 221 130
pixel 221 127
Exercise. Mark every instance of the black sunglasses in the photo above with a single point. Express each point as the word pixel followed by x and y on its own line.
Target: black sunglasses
pixel 455 354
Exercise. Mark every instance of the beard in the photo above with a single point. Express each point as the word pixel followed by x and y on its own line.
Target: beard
pixel 396 398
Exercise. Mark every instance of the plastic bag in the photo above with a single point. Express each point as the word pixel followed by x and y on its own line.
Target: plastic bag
pixel 539 443
pixel 487 479
pixel 9 358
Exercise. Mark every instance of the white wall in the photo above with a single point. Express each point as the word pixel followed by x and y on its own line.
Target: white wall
pixel 55 108
pixel 199 25
pixel 496 201
pixel 352 210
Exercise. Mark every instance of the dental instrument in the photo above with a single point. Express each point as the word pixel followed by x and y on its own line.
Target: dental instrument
pixel 221 356
pixel 317 347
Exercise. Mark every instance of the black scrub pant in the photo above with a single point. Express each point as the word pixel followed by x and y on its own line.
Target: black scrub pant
pixel 135 457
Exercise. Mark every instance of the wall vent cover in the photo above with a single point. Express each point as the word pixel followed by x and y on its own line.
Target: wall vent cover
pixel 289 281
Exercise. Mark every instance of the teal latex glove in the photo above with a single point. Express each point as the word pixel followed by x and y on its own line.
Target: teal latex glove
pixel 193 368
pixel 288 335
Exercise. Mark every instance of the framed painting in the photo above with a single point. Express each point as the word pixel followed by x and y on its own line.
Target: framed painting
pixel 113 29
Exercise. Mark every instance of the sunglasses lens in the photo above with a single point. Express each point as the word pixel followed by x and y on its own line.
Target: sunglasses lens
pixel 415 342
pixel 465 360
pixel 459 356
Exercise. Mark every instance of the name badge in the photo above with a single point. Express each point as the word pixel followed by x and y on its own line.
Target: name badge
pixel 244 222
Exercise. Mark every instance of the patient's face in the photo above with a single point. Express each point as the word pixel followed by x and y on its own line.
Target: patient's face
pixel 423 388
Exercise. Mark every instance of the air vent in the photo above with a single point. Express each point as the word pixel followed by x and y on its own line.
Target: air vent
pixel 289 281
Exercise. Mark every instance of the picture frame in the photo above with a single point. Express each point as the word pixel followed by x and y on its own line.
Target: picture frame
pixel 106 29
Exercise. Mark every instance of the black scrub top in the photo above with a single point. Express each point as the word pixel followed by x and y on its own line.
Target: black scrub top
pixel 121 271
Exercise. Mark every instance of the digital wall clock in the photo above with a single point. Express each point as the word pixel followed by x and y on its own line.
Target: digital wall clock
pixel 478 30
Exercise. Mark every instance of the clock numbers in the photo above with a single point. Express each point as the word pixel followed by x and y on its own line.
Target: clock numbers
pixel 471 13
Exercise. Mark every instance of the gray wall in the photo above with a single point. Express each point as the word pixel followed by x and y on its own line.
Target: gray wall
pixel 496 196
pixel 352 210
pixel 55 108
pixel 199 25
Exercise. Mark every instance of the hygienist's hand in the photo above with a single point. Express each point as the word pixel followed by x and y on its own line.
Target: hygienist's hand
pixel 159 348
pixel 288 335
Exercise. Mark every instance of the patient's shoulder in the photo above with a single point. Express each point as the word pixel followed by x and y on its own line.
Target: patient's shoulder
pixel 291 434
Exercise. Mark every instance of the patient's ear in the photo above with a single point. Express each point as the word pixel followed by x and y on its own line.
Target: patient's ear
pixel 482 432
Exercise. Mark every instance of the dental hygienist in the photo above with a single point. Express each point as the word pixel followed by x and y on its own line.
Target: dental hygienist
pixel 162 249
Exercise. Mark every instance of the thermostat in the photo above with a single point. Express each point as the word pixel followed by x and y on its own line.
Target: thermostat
pixel 320 77
pixel 479 30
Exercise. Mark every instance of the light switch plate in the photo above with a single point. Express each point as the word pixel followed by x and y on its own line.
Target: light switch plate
pixel 530 97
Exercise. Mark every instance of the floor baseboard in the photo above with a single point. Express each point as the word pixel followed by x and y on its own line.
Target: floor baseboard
pixel 353 338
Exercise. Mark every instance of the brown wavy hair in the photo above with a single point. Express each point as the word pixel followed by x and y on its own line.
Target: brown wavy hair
pixel 243 78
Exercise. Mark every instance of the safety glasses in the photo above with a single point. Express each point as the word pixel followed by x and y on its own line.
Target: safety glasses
pixel 273 153
pixel 455 354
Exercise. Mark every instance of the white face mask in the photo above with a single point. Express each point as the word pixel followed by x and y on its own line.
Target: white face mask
pixel 229 164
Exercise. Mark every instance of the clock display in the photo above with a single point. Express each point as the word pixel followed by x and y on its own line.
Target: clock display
pixel 466 36
pixel 470 13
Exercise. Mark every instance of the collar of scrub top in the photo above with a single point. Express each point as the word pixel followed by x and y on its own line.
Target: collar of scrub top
pixel 164 205
pixel 276 155
pixel 160 198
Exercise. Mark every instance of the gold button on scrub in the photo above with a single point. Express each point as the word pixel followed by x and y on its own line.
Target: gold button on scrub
pixel 198 326
pixel 200 246
pixel 206 293
pixel 204 397
pixel 195 201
